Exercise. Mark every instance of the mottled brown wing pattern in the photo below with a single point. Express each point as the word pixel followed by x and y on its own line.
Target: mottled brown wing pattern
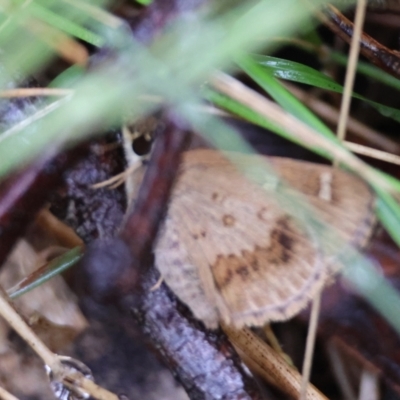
pixel 344 201
pixel 177 268
pixel 229 251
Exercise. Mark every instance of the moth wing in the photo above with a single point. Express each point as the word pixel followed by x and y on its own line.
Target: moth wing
pixel 344 202
pixel 245 254
pixel 178 269
pixel 253 260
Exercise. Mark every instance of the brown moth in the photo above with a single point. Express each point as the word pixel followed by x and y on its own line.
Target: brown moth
pixel 231 252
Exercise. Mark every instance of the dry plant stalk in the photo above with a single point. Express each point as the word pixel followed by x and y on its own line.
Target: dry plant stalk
pixel 331 114
pixel 268 363
pixel 238 91
pixel 341 134
pixel 57 229
pixel 69 49
pixel 51 360
pixel 254 101
pixel 32 92
pixel 4 395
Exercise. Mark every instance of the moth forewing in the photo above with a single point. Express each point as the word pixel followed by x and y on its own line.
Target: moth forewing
pixel 175 264
pixel 255 248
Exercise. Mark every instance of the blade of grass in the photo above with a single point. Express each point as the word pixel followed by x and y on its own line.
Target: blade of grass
pixel 373 286
pixel 98 100
pixel 295 72
pixel 248 114
pixel 43 274
pixel 282 96
pixel 66 25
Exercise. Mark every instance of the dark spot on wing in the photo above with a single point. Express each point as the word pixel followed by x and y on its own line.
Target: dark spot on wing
pixel 228 220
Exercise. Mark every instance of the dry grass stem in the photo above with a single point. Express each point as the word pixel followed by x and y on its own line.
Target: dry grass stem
pixel 30 92
pixel 48 357
pixel 339 371
pixel 342 123
pixel 4 395
pixel 19 325
pixel 268 363
pixel 35 117
pixel 272 339
pixel 120 178
pixel 351 68
pixel 310 344
pixel 97 13
pixel 373 153
pixel 67 48
pixel 116 180
pixel 331 114
pixel 156 286
pixel 369 385
pixel 95 391
pixel 62 232
pixel 267 108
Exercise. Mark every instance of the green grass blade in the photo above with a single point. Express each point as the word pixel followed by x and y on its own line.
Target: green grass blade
pixel 281 95
pixel 295 72
pixel 250 115
pixel 53 268
pixel 66 25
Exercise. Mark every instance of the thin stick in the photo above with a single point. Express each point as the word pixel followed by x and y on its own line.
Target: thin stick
pixel 341 133
pixel 244 95
pixel 29 92
pixel 266 362
pixel 373 153
pixel 18 324
pixel 116 180
pixel 309 353
pixel 341 375
pixel 134 162
pixel 274 343
pixel 351 68
pixel 4 395
pixel 369 385
pixel 98 13
pixel 331 114
pixel 35 117
pixel 49 358
pixel 60 231
pixel 88 386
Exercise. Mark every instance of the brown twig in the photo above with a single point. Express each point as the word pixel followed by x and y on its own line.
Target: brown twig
pixel 142 224
pixel 383 57
pixel 269 364
pixel 205 362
